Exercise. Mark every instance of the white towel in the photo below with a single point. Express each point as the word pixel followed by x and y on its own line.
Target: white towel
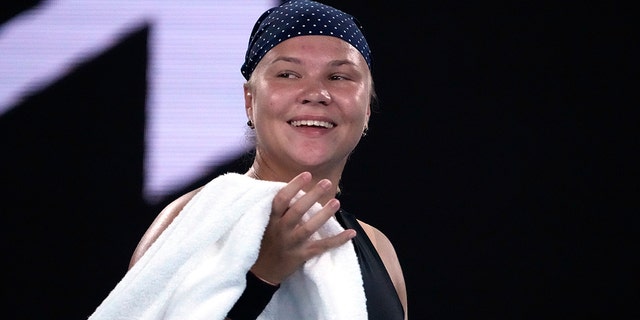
pixel 196 269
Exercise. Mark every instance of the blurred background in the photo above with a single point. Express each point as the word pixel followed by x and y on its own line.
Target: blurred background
pixel 501 161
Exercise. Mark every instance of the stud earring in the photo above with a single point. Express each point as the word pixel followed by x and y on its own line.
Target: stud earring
pixel 250 124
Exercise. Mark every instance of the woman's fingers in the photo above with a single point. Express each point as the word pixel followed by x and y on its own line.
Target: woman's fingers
pixel 319 218
pixel 283 198
pixel 307 228
pixel 318 247
pixel 293 216
pixel 286 243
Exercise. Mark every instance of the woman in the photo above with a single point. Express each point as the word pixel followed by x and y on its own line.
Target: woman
pixel 307 98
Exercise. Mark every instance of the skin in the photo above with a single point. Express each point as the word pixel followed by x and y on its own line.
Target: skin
pixel 302 79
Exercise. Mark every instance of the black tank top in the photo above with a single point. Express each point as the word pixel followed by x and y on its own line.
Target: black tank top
pixel 383 302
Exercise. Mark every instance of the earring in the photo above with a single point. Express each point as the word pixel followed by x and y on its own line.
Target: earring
pixel 250 124
pixel 364 131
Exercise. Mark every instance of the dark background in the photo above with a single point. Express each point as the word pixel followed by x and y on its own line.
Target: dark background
pixel 501 163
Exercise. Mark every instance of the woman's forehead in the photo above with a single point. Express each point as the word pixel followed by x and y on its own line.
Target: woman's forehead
pixel 315 47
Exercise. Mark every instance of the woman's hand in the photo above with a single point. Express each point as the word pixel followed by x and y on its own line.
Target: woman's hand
pixel 286 245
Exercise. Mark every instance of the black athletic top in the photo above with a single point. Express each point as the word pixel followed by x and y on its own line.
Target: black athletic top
pixel 383 302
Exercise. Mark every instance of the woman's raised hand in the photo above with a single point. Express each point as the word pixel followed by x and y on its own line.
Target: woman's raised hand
pixel 285 244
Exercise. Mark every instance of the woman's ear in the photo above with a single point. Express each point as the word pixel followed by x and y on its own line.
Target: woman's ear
pixel 248 101
pixel 368 115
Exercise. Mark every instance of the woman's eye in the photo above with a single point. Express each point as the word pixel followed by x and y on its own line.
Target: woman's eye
pixel 285 75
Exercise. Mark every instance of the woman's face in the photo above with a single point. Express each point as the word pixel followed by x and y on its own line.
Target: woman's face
pixel 309 99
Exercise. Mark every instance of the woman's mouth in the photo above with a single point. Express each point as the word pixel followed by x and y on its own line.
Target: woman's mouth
pixel 312 123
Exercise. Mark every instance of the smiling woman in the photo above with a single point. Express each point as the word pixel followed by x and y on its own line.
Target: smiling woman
pixel 274 242
pixel 299 82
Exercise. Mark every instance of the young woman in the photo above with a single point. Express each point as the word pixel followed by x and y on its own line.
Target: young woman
pixel 308 101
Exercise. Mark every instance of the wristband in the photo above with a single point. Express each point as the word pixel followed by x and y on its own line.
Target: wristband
pixel 253 300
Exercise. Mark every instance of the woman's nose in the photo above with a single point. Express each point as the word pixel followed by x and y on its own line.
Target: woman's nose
pixel 316 92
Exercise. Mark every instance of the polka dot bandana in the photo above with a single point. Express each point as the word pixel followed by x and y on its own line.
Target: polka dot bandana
pixel 301 18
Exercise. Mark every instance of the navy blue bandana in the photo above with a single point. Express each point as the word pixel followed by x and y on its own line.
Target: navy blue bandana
pixel 301 18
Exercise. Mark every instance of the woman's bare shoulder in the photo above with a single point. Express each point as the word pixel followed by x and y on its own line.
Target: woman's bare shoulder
pixel 161 222
pixel 381 242
pixel 390 259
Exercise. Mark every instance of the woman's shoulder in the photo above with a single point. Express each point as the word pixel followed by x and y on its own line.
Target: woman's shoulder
pixel 380 241
pixel 389 257
pixel 173 208
pixel 160 223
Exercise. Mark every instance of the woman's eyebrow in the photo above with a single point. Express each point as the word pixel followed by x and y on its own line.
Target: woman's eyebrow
pixel 287 59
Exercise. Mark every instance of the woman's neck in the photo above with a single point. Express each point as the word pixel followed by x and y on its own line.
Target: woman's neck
pixel 261 171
